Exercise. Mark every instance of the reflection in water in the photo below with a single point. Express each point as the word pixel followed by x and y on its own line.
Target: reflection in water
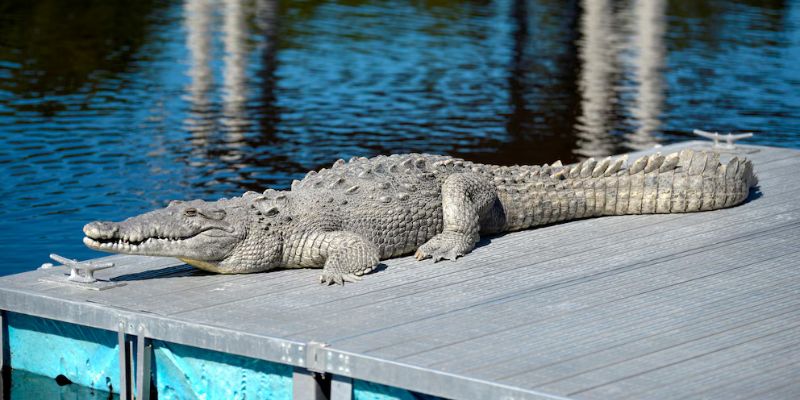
pixel 541 85
pixel 235 119
pixel 598 52
pixel 234 93
pixel 622 54
pixel 198 22
pixel 650 27
pixel 108 109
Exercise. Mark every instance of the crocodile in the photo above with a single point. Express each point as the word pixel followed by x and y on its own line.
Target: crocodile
pixel 347 218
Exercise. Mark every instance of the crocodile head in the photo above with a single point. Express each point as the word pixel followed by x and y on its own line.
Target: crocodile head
pixel 214 236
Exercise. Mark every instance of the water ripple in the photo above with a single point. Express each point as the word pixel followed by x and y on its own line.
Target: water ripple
pixel 112 115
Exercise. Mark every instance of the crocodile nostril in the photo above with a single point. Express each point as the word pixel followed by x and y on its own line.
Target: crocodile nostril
pixel 101 230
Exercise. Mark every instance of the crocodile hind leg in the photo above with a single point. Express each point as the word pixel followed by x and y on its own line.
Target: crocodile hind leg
pixel 465 199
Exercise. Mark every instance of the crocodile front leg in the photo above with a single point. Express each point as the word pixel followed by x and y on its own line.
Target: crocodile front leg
pixel 466 198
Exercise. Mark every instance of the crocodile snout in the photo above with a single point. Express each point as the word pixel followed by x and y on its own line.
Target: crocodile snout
pixel 101 230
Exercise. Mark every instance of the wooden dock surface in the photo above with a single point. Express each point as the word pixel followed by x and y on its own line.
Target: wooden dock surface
pixel 648 306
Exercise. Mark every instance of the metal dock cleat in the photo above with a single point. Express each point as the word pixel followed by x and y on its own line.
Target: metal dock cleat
pixel 729 139
pixel 81 273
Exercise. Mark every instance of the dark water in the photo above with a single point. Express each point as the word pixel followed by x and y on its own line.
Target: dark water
pixel 108 110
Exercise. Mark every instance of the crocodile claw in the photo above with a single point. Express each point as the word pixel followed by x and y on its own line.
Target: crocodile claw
pixel 439 255
pixel 445 246
pixel 329 278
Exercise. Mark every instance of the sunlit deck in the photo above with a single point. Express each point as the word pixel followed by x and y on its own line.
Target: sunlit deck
pixel 653 306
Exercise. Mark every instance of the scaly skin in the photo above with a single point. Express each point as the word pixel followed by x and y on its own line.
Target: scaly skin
pixel 347 218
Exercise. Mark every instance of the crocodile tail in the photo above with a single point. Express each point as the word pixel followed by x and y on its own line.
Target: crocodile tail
pixel 680 182
pixel 686 181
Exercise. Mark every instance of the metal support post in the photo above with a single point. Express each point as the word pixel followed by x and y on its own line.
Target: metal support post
pixel 125 358
pixel 5 351
pixel 5 358
pixel 341 388
pixel 144 351
pixel 309 385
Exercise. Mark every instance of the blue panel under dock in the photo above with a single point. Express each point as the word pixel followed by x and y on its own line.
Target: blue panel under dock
pixel 89 357
pixel 188 372
pixel 86 356
pixel 363 390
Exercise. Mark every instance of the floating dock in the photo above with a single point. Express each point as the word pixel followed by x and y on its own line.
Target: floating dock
pixel 646 306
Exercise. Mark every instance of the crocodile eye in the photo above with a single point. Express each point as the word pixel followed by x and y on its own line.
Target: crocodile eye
pixel 215 214
pixel 190 212
pixel 174 203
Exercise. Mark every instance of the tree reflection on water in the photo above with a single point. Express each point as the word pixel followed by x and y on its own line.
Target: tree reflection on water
pixel 111 108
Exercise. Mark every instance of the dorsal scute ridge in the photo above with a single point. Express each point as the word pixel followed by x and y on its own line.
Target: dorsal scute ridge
pixel 670 162
pixel 653 162
pixel 615 166
pixel 346 174
pixel 575 171
pixel 601 167
pixel 638 165
pixel 587 167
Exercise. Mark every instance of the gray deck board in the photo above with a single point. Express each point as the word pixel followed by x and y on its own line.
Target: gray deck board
pixel 654 306
pixel 554 316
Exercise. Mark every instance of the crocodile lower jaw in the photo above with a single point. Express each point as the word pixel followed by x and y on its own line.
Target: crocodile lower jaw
pixel 123 246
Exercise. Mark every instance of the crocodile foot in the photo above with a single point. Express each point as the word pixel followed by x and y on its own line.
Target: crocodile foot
pixel 330 277
pixel 445 246
pixel 351 257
